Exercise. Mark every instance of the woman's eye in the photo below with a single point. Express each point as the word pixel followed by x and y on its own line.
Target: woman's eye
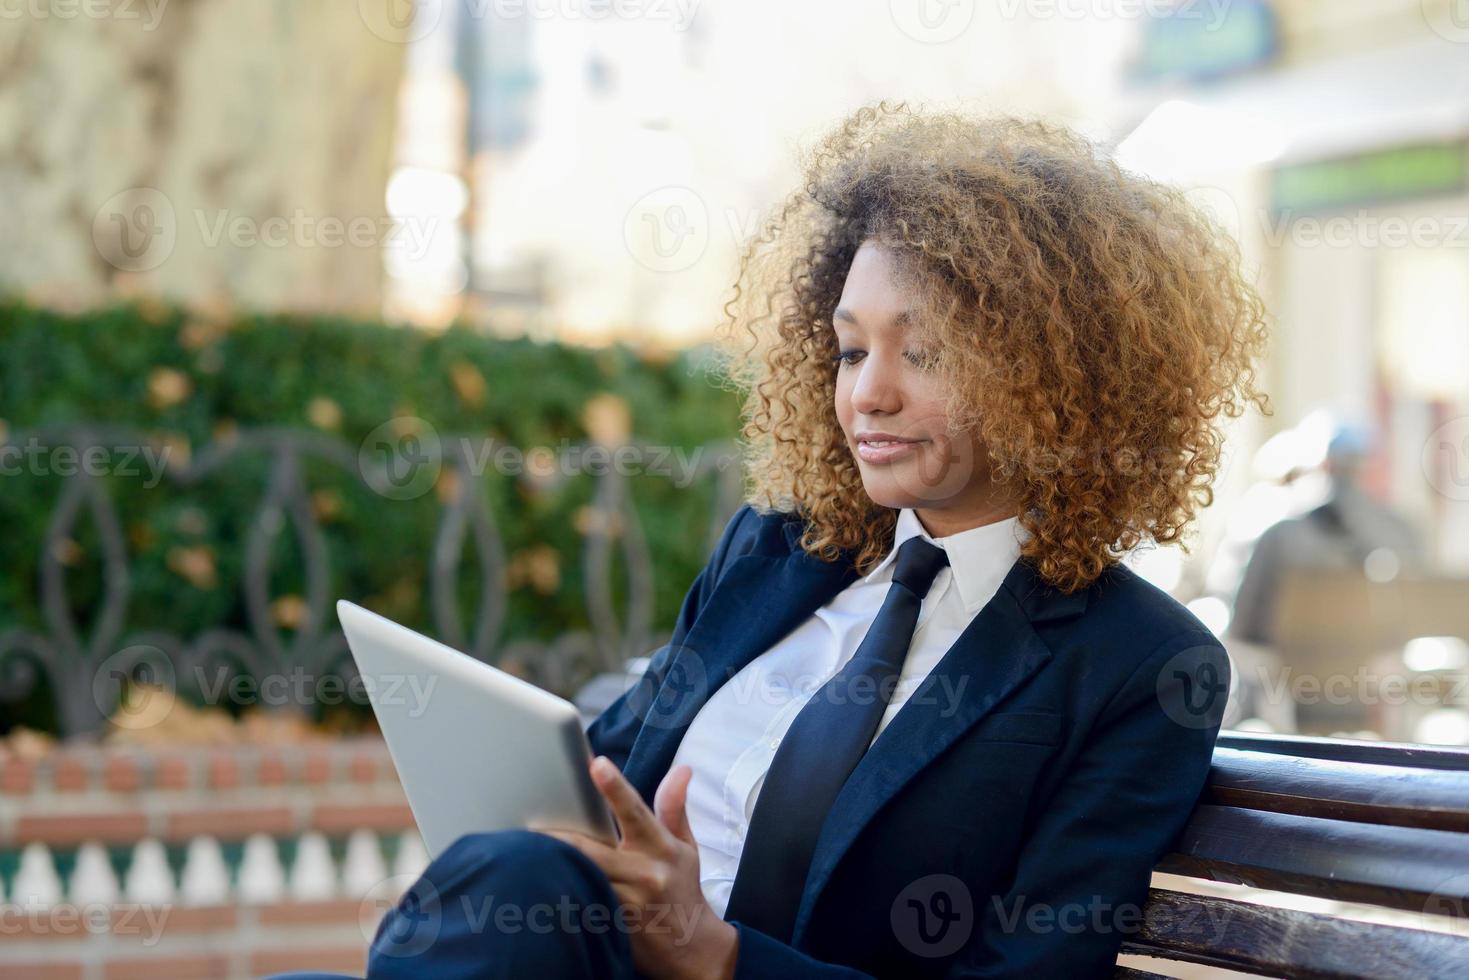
pixel 923 359
pixel 847 357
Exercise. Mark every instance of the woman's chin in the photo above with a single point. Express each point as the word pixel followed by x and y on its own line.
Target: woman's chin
pixel 898 486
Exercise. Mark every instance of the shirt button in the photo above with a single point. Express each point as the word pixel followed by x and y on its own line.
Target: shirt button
pixel 775 743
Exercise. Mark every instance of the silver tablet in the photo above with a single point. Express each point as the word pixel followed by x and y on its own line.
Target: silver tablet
pixel 476 749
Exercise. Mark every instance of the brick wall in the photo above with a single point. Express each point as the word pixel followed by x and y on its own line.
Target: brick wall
pixel 332 818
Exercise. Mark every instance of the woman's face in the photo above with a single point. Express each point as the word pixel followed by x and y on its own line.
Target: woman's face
pixel 890 403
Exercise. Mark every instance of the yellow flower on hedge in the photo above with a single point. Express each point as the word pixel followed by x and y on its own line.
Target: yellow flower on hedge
pixel 195 564
pixel 469 383
pixel 326 504
pixel 289 611
pixel 448 487
pixel 199 334
pixel 607 419
pixel 168 387
pixel 595 520
pixel 539 567
pixel 324 413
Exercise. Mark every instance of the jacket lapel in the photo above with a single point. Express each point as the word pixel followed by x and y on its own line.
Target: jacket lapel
pixel 759 599
pixel 997 653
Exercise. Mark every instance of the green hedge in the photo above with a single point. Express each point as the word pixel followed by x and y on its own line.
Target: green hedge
pixel 184 379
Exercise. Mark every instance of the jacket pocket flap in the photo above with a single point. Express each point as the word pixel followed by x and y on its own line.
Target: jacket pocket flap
pixel 1037 727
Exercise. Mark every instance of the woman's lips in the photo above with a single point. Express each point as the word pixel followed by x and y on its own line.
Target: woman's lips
pixel 887 450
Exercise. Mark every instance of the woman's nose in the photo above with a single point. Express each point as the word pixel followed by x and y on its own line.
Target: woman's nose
pixel 877 388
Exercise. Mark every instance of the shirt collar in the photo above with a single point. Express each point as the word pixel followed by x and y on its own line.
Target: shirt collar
pixel 979 557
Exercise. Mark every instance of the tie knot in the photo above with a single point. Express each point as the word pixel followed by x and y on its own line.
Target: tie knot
pixel 917 565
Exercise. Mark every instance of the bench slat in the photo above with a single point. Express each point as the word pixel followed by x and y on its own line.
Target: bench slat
pixel 1349 750
pixel 1397 867
pixel 1284 942
pixel 1129 973
pixel 1433 799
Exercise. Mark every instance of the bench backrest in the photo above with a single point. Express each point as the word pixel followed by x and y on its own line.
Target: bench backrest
pixel 1366 822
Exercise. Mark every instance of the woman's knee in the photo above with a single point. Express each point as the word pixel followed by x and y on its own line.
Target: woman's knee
pixel 524 856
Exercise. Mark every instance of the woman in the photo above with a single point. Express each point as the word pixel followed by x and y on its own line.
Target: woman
pixel 915 718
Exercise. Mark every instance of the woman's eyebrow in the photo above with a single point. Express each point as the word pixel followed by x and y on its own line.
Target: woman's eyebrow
pixel 899 320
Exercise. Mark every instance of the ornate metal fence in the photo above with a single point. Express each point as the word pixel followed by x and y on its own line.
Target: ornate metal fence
pixel 89 668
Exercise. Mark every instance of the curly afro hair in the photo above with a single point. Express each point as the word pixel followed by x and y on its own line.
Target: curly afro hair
pixel 1090 325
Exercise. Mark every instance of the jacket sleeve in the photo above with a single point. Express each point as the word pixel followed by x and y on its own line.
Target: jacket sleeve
pixel 614 730
pixel 1082 878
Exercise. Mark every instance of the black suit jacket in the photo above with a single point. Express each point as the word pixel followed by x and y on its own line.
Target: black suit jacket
pixel 1007 820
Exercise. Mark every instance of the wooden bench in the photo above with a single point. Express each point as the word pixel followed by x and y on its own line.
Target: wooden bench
pixel 1380 824
pixel 1375 823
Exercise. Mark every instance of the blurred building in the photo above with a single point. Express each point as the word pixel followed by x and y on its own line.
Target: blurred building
pixel 222 152
pixel 1333 140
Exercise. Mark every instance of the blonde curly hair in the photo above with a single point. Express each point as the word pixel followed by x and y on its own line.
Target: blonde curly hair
pixel 1090 325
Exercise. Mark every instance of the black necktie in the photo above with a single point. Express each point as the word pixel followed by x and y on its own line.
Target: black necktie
pixel 820 750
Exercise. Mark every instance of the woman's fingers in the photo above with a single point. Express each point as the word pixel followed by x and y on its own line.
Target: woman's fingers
pixel 671 803
pixel 617 865
pixel 638 823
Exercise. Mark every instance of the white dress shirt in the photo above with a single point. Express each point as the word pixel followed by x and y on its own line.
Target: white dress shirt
pixel 731 741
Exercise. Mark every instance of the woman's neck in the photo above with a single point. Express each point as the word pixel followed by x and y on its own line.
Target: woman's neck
pixel 942 523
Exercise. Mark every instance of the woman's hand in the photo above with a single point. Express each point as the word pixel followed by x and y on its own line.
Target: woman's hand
pixel 655 869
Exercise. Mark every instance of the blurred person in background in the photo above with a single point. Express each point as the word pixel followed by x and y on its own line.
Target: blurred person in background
pixel 1339 535
pixel 1348 533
